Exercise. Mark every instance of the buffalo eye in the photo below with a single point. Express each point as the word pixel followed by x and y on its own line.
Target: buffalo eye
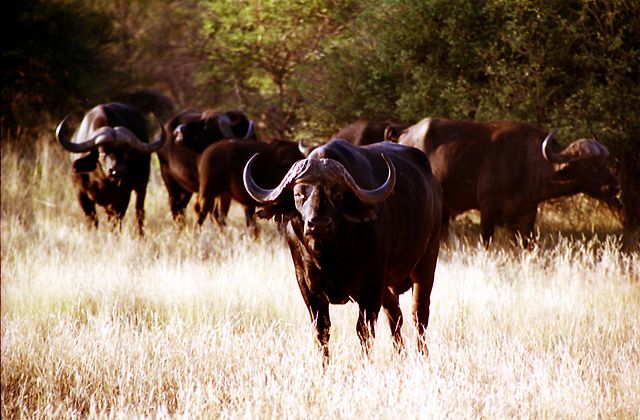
pixel 300 192
pixel 335 195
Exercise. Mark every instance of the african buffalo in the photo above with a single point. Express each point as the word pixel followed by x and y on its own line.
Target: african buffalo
pixel 115 141
pixel 190 132
pixel 149 101
pixel 364 225
pixel 504 169
pixel 362 132
pixel 220 170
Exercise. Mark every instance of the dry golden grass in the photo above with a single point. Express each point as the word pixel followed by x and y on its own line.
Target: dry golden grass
pixel 204 323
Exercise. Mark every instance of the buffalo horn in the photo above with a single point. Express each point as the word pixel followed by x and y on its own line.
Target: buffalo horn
pixel 225 125
pixel 101 135
pixel 250 131
pixel 304 147
pixel 267 196
pixel 373 196
pixel 137 144
pixel 548 155
pixel 578 150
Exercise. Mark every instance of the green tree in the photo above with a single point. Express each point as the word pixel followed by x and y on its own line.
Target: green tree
pixel 262 50
pixel 573 64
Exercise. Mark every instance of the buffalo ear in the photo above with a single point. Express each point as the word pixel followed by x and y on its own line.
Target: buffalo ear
pixel 86 163
pixel 563 175
pixel 282 211
pixel 277 212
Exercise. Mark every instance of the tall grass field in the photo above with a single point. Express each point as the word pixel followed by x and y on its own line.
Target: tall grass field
pixel 209 323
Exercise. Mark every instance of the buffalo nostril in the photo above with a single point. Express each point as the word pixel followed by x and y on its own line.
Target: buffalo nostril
pixel 318 225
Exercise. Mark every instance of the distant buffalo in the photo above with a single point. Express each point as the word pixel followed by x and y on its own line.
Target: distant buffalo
pixel 149 101
pixel 504 169
pixel 362 132
pixel 114 141
pixel 220 170
pixel 364 226
pixel 190 133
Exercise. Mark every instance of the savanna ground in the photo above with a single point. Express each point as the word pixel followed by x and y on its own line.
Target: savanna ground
pixel 204 323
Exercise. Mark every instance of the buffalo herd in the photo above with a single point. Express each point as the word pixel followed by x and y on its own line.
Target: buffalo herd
pixel 363 214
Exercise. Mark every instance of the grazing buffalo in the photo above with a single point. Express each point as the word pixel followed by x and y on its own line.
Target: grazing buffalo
pixel 115 142
pixel 504 169
pixel 190 132
pixel 220 170
pixel 364 225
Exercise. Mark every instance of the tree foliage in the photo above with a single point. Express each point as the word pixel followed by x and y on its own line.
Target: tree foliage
pixel 52 55
pixel 262 50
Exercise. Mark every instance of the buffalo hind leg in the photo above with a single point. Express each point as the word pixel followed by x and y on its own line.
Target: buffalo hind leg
pixel 204 206
pixel 390 303
pixel 178 196
pixel 221 209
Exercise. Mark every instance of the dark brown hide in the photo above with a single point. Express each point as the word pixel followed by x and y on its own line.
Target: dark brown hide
pixel 500 169
pixel 220 172
pixel 367 251
pixel 149 101
pixel 190 133
pixel 115 141
pixel 362 132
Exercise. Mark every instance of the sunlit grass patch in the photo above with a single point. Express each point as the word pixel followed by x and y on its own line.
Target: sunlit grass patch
pixel 203 322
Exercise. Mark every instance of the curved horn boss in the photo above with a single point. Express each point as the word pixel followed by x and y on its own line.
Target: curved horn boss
pixel 307 167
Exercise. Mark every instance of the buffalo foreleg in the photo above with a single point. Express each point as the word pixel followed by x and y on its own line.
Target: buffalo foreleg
pixel 422 277
pixel 89 208
pixel 249 211
pixel 390 303
pixel 366 325
pixel 446 218
pixel 319 312
pixel 140 197
pixel 117 209
pixel 488 220
pixel 523 228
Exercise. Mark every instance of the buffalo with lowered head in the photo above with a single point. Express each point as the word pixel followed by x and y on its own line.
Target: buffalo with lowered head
pixel 190 133
pixel 115 157
pixel 504 169
pixel 364 226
